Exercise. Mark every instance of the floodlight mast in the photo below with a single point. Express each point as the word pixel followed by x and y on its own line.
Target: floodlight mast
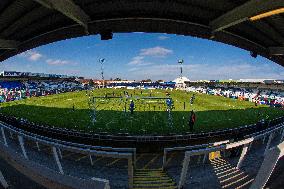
pixel 102 60
pixel 181 63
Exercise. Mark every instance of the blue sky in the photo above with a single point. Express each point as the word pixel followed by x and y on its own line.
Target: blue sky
pixel 139 56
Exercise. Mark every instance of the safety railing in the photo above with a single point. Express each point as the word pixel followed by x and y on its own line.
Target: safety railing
pixel 130 153
pixel 268 165
pixel 270 132
pixel 186 148
pixel 246 143
pixel 99 148
pixel 49 178
pixel 57 146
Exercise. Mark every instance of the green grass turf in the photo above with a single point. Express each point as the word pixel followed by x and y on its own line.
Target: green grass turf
pixel 150 116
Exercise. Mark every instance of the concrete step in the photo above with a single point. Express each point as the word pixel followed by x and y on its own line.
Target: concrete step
pixel 152 179
pixel 229 176
pixel 240 181
pixel 164 187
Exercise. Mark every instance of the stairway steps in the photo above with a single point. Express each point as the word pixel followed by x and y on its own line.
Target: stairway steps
pixel 153 175
pixel 153 170
pixel 154 185
pixel 165 180
pixel 165 187
pixel 236 182
pixel 245 185
pixel 229 176
pixel 152 179
pixel 157 171
pixel 149 177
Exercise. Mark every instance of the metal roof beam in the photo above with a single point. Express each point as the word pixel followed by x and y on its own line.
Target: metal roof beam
pixel 244 12
pixel 270 31
pixel 276 50
pixel 8 44
pixel 69 9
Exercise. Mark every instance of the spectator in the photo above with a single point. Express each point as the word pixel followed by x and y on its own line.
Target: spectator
pixel 191 121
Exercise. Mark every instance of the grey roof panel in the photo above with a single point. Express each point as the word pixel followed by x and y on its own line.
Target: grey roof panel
pixel 36 22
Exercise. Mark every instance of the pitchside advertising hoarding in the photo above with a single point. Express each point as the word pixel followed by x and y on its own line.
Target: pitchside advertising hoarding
pixel 11 73
pixel 29 74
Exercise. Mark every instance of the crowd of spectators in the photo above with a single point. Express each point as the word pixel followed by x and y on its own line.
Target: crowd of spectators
pixel 258 96
pixel 16 90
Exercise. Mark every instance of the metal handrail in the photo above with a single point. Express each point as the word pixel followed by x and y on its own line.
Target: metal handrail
pixel 232 145
pixel 69 148
pixel 245 143
pixel 132 150
pixel 55 145
pixel 184 148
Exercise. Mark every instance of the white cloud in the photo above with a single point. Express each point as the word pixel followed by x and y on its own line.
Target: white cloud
pixel 136 60
pixel 206 71
pixel 156 52
pixel 163 37
pixel 35 56
pixel 139 61
pixel 31 55
pixel 57 62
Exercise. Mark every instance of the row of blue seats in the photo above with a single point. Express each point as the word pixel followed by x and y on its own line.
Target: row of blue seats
pixel 11 84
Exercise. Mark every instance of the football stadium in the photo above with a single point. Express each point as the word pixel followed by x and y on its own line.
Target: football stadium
pixel 141 94
pixel 108 110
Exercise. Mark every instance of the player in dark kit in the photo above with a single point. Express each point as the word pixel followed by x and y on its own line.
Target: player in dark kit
pixel 131 107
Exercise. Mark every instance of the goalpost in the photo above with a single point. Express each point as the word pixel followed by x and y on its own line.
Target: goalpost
pixel 122 104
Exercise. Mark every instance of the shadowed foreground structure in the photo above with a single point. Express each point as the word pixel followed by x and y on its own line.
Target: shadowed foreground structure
pixel 238 165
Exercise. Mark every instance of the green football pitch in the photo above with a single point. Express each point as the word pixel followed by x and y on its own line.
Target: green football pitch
pixel 150 114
